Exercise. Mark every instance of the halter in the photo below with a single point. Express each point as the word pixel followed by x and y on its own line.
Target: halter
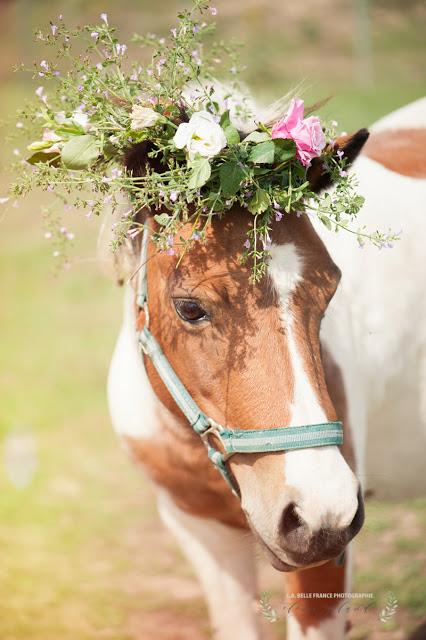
pixel 231 440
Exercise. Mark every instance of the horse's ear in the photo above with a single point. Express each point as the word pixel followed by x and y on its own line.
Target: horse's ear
pixel 350 145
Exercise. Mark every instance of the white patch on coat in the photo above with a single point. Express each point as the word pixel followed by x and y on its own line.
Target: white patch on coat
pixel 320 478
pixel 132 402
pixel 223 559
pixel 332 628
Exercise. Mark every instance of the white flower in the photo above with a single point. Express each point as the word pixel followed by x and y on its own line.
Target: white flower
pixel 143 117
pixel 201 135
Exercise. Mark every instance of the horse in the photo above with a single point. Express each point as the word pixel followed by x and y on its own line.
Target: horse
pixel 295 348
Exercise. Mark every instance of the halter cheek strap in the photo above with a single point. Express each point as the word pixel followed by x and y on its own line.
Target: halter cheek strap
pixel 231 440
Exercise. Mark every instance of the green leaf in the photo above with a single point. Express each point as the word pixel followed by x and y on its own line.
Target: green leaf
pixel 39 145
pixel 231 175
pixel 257 136
pixel 284 149
pixel 40 157
pixel 232 135
pixel 263 153
pixel 200 174
pixel 162 218
pixel 79 152
pixel 225 120
pixel 259 202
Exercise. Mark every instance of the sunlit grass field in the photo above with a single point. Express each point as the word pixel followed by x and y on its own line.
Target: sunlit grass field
pixel 82 552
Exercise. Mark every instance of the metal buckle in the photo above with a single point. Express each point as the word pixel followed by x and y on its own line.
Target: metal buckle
pixel 215 429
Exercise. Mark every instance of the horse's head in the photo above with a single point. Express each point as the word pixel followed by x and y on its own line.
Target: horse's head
pixel 250 356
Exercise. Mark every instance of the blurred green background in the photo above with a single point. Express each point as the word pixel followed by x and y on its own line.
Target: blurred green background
pixel 82 553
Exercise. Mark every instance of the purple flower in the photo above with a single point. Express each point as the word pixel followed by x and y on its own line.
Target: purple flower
pixel 80 87
pixel 196 235
pixel 213 11
pixel 247 244
pixel 54 29
pixel 174 195
pixel 121 49
pixel 196 28
pixel 343 173
pixel 44 65
pixel 170 240
pixel 278 215
pixel 340 153
pixel 170 252
pixel 94 35
pixel 104 17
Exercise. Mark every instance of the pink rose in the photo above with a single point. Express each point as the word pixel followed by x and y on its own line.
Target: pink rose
pixel 306 133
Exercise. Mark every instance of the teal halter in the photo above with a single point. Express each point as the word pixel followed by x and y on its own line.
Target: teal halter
pixel 232 440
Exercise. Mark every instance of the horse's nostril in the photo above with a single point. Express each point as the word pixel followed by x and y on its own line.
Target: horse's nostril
pixel 294 533
pixel 290 520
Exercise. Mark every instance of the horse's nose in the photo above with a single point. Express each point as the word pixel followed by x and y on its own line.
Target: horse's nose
pixel 304 546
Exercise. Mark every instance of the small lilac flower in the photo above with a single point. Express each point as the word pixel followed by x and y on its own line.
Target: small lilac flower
pixel 170 252
pixel 56 73
pixel 340 153
pixel 50 188
pixel 70 235
pixel 63 230
pixel 149 72
pixel 196 28
pixel 174 195
pixel 343 173
pixel 80 87
pixel 248 194
pixel 278 215
pixel 170 240
pixel 173 32
pixel 104 17
pixel 15 204
pixel 48 235
pixel 213 11
pixel 121 49
pixel 161 40
pixel 89 214
pixel 99 66
pixel 44 65
pixel 94 35
pixel 247 244
pixel 299 214
pixel 54 29
pixel 107 199
pixel 334 123
pixel 196 235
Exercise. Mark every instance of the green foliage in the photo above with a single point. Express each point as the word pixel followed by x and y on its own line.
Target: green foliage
pixel 80 152
pixel 98 108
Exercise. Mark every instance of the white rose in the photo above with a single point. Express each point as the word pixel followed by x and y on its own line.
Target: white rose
pixel 143 117
pixel 201 135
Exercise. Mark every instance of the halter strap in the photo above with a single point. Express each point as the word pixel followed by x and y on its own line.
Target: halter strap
pixel 232 440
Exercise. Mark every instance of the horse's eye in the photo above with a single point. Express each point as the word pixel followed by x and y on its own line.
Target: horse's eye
pixel 190 310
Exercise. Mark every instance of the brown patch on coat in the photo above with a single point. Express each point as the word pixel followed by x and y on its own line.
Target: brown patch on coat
pixel 326 578
pixel 400 150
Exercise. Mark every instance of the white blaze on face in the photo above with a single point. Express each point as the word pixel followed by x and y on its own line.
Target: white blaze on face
pixel 322 480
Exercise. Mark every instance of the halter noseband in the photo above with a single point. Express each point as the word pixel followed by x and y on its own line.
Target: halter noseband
pixel 232 440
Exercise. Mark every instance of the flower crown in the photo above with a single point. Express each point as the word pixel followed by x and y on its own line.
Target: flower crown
pixel 177 142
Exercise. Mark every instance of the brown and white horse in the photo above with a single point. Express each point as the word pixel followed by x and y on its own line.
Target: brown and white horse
pixel 251 357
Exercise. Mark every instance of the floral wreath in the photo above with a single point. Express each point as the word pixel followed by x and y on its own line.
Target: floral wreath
pixel 163 135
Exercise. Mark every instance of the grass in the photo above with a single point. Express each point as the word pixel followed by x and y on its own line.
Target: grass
pixel 83 553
